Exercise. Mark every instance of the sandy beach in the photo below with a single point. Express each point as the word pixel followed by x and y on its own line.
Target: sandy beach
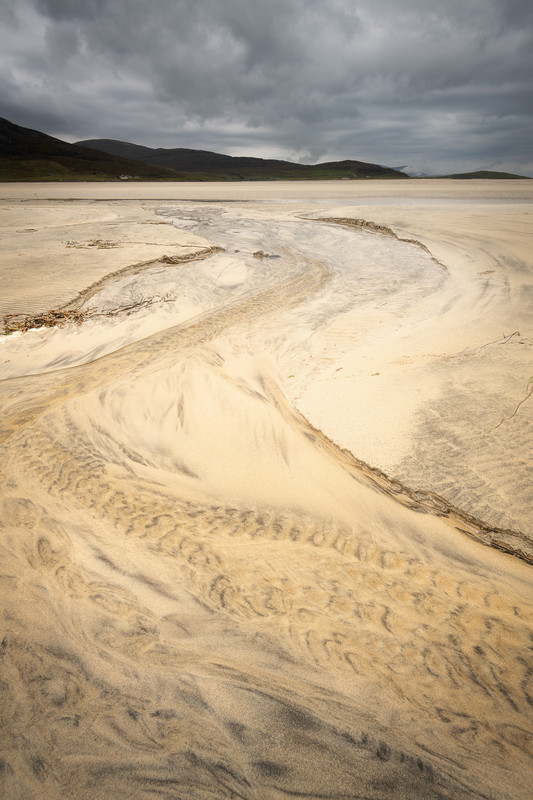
pixel 266 514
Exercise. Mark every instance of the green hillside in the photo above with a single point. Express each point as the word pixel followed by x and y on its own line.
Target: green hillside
pixel 205 165
pixel 28 155
pixel 486 174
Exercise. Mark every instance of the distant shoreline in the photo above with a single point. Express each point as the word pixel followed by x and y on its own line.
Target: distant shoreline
pixel 469 176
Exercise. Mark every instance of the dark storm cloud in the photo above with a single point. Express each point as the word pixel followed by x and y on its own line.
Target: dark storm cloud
pixel 437 86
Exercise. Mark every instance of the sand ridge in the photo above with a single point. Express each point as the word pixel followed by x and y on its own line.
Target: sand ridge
pixel 203 595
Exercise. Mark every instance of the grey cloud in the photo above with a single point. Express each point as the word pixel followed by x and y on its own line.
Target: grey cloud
pixel 62 43
pixel 392 81
pixel 72 9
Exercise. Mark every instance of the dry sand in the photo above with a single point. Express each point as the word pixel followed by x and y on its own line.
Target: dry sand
pixel 205 592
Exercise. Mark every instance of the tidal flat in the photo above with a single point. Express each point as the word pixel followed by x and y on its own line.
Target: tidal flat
pixel 265 515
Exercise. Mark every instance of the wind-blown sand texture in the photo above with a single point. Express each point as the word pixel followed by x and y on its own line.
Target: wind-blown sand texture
pixel 245 529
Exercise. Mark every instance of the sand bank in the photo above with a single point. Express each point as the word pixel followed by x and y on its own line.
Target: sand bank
pixel 204 595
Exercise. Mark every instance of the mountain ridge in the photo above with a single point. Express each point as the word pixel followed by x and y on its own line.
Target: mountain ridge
pixel 28 155
pixel 188 160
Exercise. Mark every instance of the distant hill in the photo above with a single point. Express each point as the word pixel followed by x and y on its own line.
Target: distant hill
pixel 28 155
pixel 488 174
pixel 205 165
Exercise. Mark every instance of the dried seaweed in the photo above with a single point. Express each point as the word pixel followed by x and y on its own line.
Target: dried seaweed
pixel 207 251
pixel 100 244
pixel 47 319
pixel 58 317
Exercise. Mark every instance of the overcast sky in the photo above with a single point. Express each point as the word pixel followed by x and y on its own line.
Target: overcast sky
pixel 436 85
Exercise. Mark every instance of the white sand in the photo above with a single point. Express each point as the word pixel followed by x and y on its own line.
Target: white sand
pixel 52 251
pixel 205 597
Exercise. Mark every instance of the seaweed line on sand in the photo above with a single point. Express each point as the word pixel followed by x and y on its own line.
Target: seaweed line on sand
pixel 72 312
pixel 512 542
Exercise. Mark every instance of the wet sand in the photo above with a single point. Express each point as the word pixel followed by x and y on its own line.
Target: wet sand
pixel 246 530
